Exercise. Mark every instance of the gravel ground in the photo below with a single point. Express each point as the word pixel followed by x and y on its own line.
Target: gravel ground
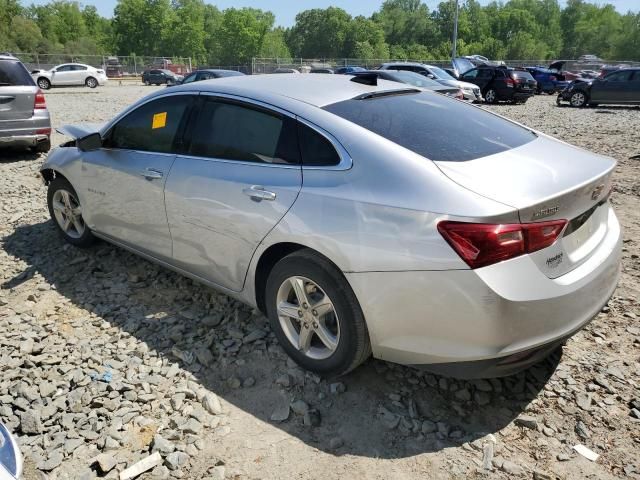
pixel 107 359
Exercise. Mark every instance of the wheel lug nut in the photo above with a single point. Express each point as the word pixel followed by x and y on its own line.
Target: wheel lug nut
pixel 315 325
pixel 305 306
pixel 315 313
pixel 299 313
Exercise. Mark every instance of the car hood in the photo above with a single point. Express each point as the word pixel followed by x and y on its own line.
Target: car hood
pixel 544 173
pixel 462 65
pixel 80 131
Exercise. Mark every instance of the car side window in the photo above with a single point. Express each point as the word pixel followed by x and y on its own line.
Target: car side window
pixel 229 130
pixel 486 73
pixel 79 67
pixel 471 74
pixel 64 68
pixel 621 76
pixel 316 149
pixel 152 127
pixel 190 78
pixel 636 76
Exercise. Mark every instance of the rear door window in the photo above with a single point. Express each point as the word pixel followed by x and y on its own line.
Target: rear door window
pixel 433 125
pixel 12 73
pixel 151 127
pixel 229 130
pixel 316 149
pixel 621 76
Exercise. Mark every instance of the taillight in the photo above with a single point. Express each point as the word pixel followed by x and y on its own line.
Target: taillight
pixel 481 244
pixel 39 102
pixel 509 82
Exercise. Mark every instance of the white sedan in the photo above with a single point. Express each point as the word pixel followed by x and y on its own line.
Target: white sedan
pixel 70 74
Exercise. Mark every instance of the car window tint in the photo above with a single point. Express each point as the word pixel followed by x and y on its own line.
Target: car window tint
pixel 487 73
pixel 190 78
pixel 79 67
pixel 64 68
pixel 151 127
pixel 521 75
pixel 316 149
pixel 434 126
pixel 621 76
pixel 471 74
pixel 231 131
pixel 12 72
pixel 636 76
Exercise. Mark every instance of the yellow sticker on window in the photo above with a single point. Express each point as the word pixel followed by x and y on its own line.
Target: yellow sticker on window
pixel 159 120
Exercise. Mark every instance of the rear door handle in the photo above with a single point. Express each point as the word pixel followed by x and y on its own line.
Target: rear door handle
pixel 257 192
pixel 151 174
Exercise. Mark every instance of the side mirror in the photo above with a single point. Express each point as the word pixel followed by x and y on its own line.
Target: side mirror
pixel 10 456
pixel 431 76
pixel 90 142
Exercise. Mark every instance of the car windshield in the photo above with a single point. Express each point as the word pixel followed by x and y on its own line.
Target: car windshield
pixel 414 79
pixel 441 74
pixel 12 73
pixel 434 126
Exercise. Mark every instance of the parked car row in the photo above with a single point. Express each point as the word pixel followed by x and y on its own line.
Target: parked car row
pixel 621 86
pixel 376 218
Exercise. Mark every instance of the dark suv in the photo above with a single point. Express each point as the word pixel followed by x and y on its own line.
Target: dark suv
pixel 501 83
pixel 24 118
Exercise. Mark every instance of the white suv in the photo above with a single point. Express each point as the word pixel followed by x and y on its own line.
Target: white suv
pixel 70 74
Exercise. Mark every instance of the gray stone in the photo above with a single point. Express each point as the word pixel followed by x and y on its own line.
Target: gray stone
pixel 176 460
pixel 162 445
pixel 54 460
pixel 336 388
pixel 30 422
pixel 105 462
pixel 254 335
pixel 311 418
pixel 512 468
pixel 217 473
pixel 583 400
pixel 527 421
pixel 335 443
pixel 211 403
pixel 487 455
pixel 192 426
pixel 429 427
pixel 299 407
pixel 281 413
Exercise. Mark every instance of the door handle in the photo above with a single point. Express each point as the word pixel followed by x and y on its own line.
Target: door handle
pixel 151 174
pixel 257 192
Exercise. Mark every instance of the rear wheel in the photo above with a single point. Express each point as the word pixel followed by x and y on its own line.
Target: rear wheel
pixel 315 314
pixel 578 99
pixel 91 82
pixel 66 212
pixel 491 96
pixel 44 83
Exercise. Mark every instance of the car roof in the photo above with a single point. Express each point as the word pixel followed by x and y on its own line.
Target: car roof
pixel 7 56
pixel 317 90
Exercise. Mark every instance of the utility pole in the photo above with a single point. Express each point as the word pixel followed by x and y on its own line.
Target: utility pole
pixel 455 32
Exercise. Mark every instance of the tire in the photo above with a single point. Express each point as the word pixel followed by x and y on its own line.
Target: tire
pixel 44 83
pixel 43 147
pixel 323 284
pixel 578 99
pixel 91 82
pixel 80 237
pixel 147 83
pixel 491 96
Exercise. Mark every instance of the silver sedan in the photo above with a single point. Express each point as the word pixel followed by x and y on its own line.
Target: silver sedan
pixel 362 216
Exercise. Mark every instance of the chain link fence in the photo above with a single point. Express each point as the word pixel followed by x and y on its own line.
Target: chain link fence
pixel 115 66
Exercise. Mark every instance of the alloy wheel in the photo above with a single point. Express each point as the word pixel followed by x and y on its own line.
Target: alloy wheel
pixel 68 213
pixel 308 317
pixel 578 99
pixel 43 84
pixel 490 97
pixel 92 83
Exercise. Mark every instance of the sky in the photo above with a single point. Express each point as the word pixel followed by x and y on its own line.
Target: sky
pixel 286 10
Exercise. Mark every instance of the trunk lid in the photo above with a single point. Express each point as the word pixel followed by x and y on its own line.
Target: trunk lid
pixel 545 180
pixel 16 102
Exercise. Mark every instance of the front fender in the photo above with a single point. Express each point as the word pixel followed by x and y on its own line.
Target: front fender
pixel 66 162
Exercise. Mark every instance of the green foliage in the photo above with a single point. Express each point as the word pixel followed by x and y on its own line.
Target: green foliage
pixel 401 29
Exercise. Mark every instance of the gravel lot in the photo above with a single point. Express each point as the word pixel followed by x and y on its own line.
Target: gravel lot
pixel 107 358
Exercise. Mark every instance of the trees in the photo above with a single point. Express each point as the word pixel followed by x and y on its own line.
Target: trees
pixel 505 29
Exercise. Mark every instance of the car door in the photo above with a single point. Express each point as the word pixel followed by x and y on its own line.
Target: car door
pixel 125 179
pixel 78 74
pixel 634 90
pixel 471 76
pixel 614 88
pixel 239 176
pixel 62 75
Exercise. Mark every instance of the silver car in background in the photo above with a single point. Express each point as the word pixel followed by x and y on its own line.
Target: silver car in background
pixel 360 217
pixel 24 118
pixel 471 92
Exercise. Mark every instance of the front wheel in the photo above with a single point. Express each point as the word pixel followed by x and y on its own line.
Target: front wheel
pixel 578 99
pixel 491 96
pixel 91 82
pixel 315 314
pixel 66 212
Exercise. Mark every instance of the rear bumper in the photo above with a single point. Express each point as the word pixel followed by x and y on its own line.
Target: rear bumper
pixel 438 319
pixel 26 133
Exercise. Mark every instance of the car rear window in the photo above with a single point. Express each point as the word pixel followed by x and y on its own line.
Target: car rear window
pixel 433 125
pixel 13 72
pixel 521 75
